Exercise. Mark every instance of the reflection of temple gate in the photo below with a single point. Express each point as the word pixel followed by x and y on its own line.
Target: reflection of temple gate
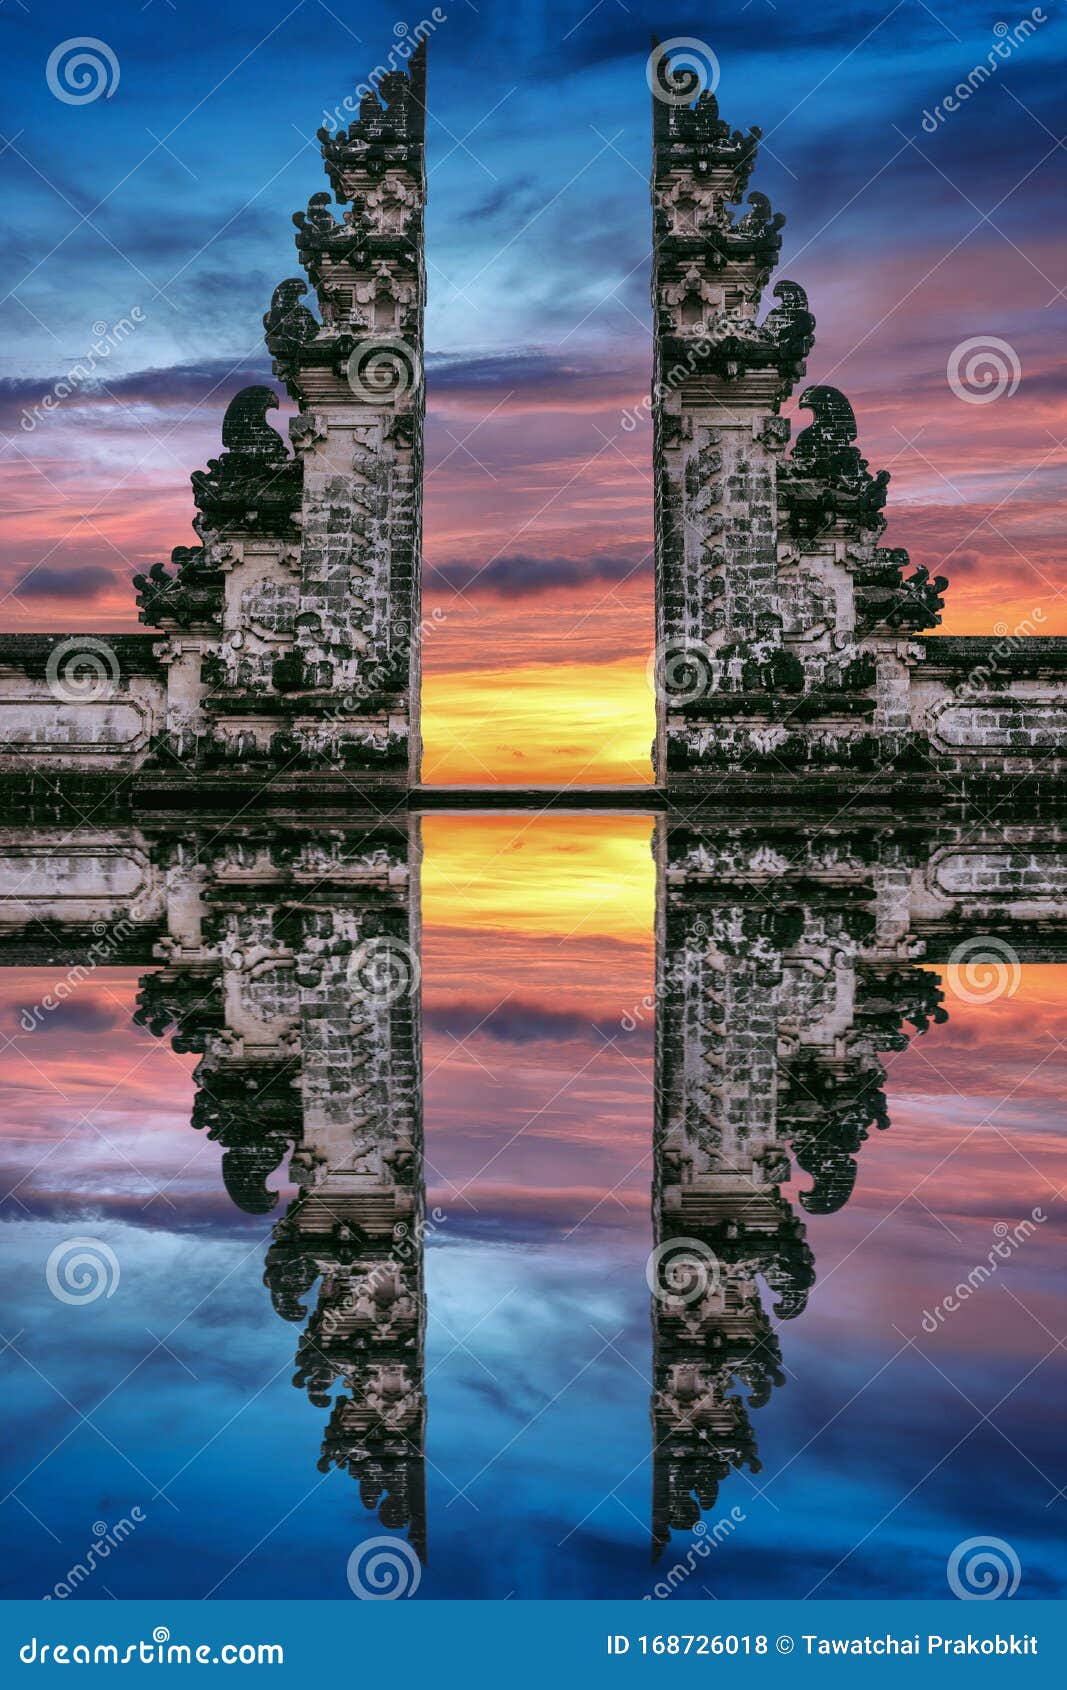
pixel 791 953
pixel 290 965
pixel 233 797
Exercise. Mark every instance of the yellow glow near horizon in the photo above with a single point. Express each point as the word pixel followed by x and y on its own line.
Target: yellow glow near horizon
pixel 540 874
pixel 539 724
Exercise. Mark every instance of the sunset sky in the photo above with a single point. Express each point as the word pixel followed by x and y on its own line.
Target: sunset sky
pixel 174 196
pixel 172 199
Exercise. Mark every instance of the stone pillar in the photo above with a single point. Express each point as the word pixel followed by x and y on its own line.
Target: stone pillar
pixel 292 969
pixel 791 644
pixel 719 377
pixel 357 376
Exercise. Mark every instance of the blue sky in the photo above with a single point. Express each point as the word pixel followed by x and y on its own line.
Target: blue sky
pixel 174 195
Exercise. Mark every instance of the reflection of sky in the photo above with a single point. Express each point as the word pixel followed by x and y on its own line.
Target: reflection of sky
pixel 877 1458
pixel 538 507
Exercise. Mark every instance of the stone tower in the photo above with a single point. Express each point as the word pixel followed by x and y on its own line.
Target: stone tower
pixel 286 642
pixel 791 645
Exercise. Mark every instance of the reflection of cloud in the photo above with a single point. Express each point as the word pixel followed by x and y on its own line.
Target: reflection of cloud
pixel 188 1211
pixel 513 1022
pixel 523 1212
pixel 81 1014
pixel 518 1021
